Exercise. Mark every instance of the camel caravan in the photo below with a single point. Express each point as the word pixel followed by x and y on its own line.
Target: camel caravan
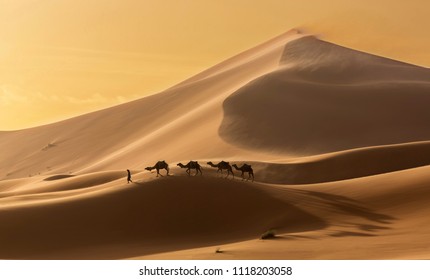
pixel 222 165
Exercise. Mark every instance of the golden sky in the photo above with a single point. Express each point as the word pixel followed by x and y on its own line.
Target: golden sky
pixel 61 58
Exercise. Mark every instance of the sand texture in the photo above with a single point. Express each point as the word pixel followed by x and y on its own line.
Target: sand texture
pixel 338 139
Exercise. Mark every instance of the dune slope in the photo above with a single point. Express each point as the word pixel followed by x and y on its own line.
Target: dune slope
pixel 133 134
pixel 326 98
pixel 175 212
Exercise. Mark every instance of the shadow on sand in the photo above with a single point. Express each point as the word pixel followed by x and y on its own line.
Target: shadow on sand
pixel 58 177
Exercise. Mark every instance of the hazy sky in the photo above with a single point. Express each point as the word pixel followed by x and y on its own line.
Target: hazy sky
pixel 60 58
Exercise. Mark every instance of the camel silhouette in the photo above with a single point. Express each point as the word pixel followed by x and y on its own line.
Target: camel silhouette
pixel 159 165
pixel 222 165
pixel 245 168
pixel 191 165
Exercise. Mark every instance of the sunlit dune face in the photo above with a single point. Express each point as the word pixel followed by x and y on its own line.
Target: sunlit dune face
pixel 65 58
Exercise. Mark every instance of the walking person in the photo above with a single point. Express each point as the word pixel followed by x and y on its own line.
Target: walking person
pixel 129 177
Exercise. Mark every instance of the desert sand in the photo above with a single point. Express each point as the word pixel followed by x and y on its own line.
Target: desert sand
pixel 339 141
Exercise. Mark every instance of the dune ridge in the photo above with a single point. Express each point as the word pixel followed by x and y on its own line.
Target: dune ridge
pixel 338 140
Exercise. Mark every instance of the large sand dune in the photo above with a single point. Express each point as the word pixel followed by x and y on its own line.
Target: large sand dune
pixel 338 139
pixel 326 98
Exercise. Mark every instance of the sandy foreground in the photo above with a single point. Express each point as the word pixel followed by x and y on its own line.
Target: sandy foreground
pixel 338 139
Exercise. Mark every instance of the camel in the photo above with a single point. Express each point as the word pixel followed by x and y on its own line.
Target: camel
pixel 222 165
pixel 191 165
pixel 159 165
pixel 245 168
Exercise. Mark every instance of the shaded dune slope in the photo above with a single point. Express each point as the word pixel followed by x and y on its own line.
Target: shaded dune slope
pixel 174 212
pixel 326 98
pixel 377 217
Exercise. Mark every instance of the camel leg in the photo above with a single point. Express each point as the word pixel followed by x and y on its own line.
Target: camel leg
pixel 188 171
pixel 228 173
pixel 250 174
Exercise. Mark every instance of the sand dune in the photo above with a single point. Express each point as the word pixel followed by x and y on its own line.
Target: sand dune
pixel 378 217
pixel 196 211
pixel 327 98
pixel 345 165
pixel 338 140
pixel 133 133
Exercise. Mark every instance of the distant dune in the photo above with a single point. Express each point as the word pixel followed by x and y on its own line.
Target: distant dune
pixel 338 139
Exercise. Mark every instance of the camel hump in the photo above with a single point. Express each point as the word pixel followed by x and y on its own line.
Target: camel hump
pixel 246 165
